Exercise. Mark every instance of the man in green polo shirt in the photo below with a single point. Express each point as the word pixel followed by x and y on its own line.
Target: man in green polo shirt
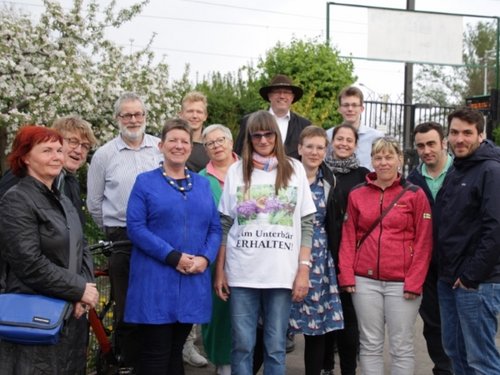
pixel 429 175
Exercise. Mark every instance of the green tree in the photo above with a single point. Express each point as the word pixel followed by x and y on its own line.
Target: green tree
pixel 230 96
pixel 63 64
pixel 313 65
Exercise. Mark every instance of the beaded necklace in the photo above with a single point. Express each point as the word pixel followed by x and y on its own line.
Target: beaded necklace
pixel 175 185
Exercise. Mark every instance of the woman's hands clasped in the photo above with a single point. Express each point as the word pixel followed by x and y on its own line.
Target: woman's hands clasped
pixel 191 264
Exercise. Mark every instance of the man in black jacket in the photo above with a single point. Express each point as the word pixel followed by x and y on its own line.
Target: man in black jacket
pixel 430 175
pixel 469 247
pixel 281 93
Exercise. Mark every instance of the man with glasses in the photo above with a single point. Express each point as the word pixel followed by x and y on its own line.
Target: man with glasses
pixel 351 106
pixel 281 93
pixel 194 111
pixel 112 173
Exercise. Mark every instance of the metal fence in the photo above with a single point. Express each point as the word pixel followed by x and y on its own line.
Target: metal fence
pixel 390 119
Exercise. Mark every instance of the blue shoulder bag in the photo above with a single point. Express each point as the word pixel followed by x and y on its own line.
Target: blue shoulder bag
pixel 32 318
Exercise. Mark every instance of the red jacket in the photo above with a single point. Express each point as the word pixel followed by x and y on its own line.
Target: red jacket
pixel 399 248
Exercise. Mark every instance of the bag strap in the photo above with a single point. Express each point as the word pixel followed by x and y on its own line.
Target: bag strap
pixel 383 214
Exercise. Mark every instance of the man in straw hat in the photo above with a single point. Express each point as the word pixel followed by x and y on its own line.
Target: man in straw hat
pixel 281 93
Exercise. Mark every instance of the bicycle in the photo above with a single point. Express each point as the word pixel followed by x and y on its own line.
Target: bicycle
pixel 100 318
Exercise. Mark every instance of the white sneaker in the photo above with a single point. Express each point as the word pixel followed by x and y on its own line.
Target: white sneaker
pixel 191 356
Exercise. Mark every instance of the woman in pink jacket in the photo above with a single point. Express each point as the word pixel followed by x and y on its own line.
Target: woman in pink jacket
pixel 384 256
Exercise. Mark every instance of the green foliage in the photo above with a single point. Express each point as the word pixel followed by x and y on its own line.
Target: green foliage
pixel 479 53
pixel 313 65
pixel 318 69
pixel 230 97
pixel 496 136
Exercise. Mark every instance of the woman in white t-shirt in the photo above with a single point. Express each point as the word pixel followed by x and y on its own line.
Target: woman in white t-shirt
pixel 267 211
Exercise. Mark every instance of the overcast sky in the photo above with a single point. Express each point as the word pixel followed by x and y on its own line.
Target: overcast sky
pixel 223 35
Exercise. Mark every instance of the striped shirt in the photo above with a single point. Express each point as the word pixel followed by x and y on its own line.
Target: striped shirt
pixel 111 176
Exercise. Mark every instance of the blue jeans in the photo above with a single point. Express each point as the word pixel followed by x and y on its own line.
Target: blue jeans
pixel 469 323
pixel 247 305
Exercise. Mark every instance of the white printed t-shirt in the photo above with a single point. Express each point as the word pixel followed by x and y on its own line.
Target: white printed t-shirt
pixel 263 243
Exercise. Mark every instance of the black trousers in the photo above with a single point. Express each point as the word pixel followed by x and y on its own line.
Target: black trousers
pixel 429 311
pixel 127 340
pixel 162 348
pixel 346 340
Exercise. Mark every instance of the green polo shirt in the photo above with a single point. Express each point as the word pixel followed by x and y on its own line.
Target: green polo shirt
pixel 435 184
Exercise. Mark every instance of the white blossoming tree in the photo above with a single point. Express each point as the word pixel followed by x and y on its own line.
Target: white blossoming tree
pixel 63 64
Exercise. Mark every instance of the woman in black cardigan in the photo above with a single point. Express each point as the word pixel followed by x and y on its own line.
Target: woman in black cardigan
pixel 344 164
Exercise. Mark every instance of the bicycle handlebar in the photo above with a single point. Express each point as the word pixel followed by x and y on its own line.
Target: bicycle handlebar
pixel 107 247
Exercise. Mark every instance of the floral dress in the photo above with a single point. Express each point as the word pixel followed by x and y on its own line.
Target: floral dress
pixel 320 311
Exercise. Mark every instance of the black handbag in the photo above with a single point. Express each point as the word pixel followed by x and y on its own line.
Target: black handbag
pixel 32 318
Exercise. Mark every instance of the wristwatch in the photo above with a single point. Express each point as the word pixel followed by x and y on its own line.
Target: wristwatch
pixel 306 263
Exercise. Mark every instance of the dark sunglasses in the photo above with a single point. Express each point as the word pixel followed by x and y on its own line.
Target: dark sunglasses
pixel 259 136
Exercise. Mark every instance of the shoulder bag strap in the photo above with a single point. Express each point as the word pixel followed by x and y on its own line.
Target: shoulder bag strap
pixel 383 214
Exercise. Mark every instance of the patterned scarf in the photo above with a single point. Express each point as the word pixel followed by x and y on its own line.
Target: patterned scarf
pixel 342 165
pixel 265 163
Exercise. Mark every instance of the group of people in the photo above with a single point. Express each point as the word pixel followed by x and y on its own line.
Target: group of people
pixel 290 230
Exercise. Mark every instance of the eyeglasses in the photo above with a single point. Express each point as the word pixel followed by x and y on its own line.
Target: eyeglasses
pixel 259 136
pixel 74 143
pixel 128 116
pixel 351 105
pixel 216 142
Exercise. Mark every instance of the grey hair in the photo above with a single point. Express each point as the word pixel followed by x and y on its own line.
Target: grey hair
pixel 127 97
pixel 209 129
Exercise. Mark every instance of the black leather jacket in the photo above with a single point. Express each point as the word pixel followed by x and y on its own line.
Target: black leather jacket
pixel 42 243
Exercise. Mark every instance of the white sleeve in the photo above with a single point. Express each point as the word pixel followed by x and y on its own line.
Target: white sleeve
pixel 96 179
pixel 307 206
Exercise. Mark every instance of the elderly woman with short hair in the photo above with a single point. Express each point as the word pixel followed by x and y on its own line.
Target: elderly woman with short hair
pixel 218 142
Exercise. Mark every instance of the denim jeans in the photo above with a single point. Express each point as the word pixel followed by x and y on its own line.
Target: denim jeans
pixel 469 320
pixel 246 305
pixel 379 304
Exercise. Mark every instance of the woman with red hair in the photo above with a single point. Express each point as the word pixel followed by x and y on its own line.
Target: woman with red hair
pixel 42 249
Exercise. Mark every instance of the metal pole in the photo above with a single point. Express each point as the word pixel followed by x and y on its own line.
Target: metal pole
pixel 408 99
pixel 328 23
pixel 485 74
pixel 497 68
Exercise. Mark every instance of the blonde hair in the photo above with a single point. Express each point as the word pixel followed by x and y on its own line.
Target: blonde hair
pixel 194 96
pixel 389 144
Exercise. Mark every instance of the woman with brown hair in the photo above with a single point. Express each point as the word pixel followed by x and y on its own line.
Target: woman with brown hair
pixel 267 211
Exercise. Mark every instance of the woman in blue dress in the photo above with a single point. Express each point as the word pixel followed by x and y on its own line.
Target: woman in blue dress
pixel 320 313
